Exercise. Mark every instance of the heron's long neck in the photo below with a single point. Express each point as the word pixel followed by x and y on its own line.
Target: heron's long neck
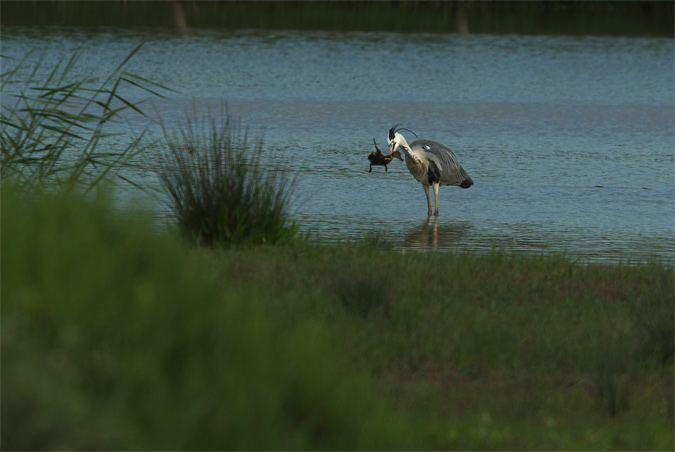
pixel 411 157
pixel 405 147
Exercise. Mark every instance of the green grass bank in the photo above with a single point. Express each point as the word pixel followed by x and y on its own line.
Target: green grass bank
pixel 118 337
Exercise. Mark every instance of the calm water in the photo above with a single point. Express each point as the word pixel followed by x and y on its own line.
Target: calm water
pixel 569 140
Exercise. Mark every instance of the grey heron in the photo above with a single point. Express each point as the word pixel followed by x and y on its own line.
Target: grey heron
pixel 431 163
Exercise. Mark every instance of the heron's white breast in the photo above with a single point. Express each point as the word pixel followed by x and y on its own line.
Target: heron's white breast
pixel 416 167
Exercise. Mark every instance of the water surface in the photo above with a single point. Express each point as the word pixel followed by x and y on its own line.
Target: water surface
pixel 569 139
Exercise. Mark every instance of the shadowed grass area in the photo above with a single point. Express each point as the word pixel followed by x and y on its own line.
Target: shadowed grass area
pixel 219 186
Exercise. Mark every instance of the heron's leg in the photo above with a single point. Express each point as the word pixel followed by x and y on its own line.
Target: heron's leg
pixel 435 185
pixel 426 191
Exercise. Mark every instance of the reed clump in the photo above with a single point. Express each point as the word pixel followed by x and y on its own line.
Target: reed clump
pixel 54 127
pixel 220 186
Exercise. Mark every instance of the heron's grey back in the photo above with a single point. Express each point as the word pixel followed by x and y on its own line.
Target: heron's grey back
pixel 451 172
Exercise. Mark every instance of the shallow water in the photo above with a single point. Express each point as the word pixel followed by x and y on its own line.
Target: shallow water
pixel 569 140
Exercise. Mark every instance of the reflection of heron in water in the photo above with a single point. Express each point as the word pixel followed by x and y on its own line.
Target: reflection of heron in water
pixel 430 236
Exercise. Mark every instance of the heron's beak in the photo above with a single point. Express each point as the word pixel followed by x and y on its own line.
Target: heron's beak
pixel 392 148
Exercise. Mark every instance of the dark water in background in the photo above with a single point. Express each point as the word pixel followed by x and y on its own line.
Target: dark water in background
pixel 569 140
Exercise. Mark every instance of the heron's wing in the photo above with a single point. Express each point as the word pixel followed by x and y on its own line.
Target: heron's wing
pixel 433 172
pixel 449 171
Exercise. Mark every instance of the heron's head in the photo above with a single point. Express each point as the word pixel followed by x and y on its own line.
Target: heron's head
pixel 395 139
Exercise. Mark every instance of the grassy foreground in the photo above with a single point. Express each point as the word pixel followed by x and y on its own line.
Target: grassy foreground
pixel 117 337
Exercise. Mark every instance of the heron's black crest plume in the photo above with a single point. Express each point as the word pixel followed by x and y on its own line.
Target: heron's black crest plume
pixel 392 131
pixel 396 128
